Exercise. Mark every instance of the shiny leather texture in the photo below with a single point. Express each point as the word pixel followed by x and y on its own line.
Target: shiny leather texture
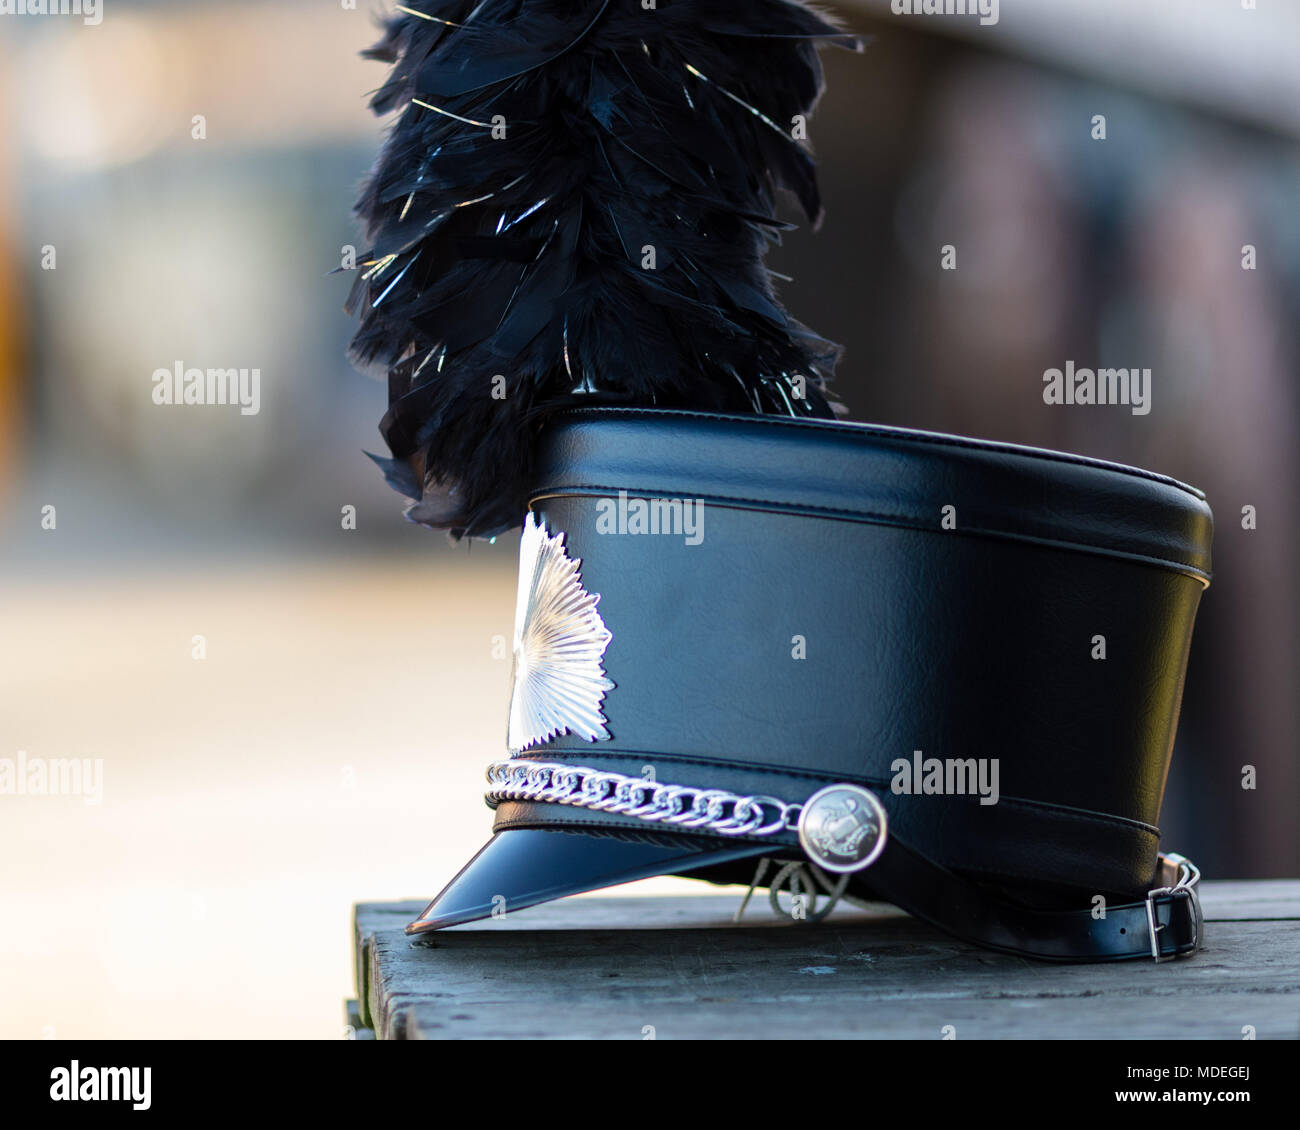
pixel 974 641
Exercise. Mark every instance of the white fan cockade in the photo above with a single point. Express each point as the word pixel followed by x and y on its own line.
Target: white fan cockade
pixel 558 683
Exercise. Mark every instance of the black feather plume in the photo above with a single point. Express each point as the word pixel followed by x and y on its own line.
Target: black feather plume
pixel 573 208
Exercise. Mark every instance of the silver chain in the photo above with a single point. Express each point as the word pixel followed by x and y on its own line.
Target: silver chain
pixel 709 810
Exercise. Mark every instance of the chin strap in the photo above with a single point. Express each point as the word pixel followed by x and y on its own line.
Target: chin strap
pixel 801 879
pixel 1163 926
pixel 843 829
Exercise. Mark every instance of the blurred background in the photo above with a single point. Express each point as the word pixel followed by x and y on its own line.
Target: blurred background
pixel 293 715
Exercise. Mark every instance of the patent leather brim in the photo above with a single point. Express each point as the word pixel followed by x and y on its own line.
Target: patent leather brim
pixel 522 867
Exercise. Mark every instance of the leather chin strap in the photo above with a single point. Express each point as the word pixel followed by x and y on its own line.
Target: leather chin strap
pixel 1165 925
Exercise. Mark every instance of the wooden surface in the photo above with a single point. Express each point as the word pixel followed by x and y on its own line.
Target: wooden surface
pixel 678 968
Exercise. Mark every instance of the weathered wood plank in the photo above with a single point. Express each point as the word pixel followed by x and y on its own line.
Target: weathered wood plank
pixel 352 1025
pixel 677 967
pixel 1226 900
pixel 845 1017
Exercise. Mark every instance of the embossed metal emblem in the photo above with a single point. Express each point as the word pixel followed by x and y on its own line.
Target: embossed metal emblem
pixel 842 828
pixel 558 682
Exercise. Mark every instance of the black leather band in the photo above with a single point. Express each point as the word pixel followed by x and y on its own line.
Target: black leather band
pixel 966 909
pixel 1073 850
pixel 946 900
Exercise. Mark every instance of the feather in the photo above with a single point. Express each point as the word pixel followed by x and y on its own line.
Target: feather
pixel 572 208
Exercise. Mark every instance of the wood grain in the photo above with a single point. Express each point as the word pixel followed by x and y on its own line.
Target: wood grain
pixel 678 968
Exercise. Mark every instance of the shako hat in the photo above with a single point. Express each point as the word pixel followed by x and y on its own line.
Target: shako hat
pixel 753 643
pixel 937 671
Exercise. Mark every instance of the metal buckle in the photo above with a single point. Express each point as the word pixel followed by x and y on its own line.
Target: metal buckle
pixel 1188 877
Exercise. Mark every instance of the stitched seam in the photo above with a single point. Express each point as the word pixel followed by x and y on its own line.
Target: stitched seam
pixel 783 839
pixel 988 873
pixel 901 435
pixel 811 510
pixel 1044 806
pixel 683 758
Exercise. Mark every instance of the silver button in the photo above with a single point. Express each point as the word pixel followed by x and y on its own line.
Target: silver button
pixel 843 828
